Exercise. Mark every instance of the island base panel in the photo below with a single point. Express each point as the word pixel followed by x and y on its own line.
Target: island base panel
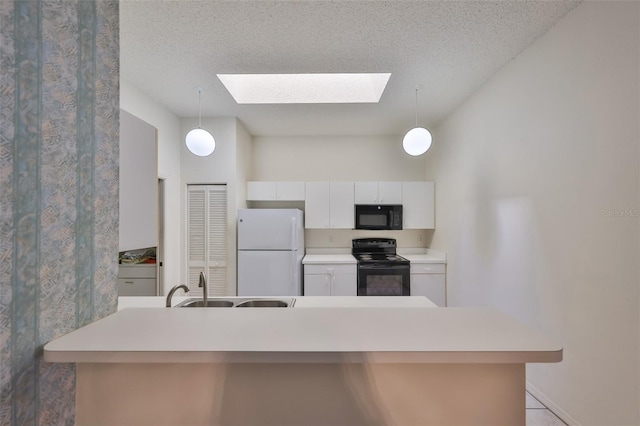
pixel 300 394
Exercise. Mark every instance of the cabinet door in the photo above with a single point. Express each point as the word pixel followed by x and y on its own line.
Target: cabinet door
pixel 290 191
pixel 390 192
pixel 317 285
pixel 430 285
pixel 418 205
pixel 341 206
pixel 138 183
pixel 316 205
pixel 366 193
pixel 261 191
pixel 344 284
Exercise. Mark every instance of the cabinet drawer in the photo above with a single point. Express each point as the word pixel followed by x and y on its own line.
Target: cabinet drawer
pixel 427 268
pixel 136 287
pixel 328 268
pixel 137 271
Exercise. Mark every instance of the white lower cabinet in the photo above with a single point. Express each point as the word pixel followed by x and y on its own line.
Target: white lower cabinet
pixel 429 279
pixel 330 280
pixel 137 280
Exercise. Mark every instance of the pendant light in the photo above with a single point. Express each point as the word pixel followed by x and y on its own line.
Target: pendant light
pixel 199 141
pixel 417 141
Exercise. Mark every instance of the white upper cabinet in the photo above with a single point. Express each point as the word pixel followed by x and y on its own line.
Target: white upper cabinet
pixel 316 206
pixel 418 205
pixel 138 183
pixel 290 191
pixel 390 192
pixel 378 193
pixel 275 191
pixel 261 191
pixel 341 205
pixel 329 205
pixel 366 192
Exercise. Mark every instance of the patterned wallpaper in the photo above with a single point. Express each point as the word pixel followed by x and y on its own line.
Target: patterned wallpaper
pixel 59 136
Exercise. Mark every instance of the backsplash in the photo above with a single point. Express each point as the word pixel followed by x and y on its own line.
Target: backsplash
pixel 341 238
pixel 59 136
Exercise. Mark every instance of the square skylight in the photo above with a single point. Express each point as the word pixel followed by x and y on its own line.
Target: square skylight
pixel 334 88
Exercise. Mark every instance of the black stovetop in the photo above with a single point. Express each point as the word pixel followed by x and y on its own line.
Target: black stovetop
pixel 376 250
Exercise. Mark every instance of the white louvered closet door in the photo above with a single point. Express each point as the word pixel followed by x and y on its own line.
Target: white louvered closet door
pixel 207 238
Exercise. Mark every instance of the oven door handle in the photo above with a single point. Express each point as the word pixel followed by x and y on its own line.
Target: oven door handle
pixel 375 267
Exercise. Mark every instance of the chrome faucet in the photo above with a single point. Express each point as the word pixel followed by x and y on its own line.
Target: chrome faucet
pixel 173 290
pixel 205 293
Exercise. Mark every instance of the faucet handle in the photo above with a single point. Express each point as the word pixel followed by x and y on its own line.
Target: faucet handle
pixel 202 281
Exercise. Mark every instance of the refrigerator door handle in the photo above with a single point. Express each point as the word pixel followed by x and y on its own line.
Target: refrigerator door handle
pixel 294 254
pixel 294 234
pixel 294 273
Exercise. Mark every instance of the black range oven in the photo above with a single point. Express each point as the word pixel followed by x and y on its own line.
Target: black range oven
pixel 381 272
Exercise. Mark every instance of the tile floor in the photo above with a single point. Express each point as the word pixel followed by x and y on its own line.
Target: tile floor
pixel 539 415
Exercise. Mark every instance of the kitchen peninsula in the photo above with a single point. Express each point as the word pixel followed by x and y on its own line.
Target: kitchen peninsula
pixel 313 365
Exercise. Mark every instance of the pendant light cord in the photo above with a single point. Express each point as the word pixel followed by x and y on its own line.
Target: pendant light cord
pixel 416 107
pixel 200 108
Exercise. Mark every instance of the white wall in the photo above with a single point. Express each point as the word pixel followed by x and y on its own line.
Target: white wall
pixel 244 148
pixel 137 103
pixel 333 158
pixel 537 206
pixel 339 158
pixel 243 170
pixel 218 168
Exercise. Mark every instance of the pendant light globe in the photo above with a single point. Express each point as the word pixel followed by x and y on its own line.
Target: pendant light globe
pixel 417 141
pixel 199 141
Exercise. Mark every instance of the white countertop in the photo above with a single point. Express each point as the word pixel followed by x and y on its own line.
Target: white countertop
pixel 422 258
pixel 364 302
pixel 301 301
pixel 320 259
pixel 416 255
pixel 322 334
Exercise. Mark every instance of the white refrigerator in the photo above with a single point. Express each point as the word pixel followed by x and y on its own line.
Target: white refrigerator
pixel 270 252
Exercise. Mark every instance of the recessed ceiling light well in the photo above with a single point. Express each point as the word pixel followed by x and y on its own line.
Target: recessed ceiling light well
pixel 333 88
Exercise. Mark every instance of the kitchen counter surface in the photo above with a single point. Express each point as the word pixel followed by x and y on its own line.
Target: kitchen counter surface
pixel 147 301
pixel 423 255
pixel 319 259
pixel 301 301
pixel 415 255
pixel 324 335
pixel 364 302
pixel 423 258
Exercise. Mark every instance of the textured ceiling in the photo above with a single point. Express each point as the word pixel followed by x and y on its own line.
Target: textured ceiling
pixel 447 49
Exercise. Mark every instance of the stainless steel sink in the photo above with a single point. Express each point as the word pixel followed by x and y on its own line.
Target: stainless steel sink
pixel 210 304
pixel 238 302
pixel 262 303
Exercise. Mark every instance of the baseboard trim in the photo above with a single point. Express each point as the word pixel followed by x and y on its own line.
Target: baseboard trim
pixel 540 396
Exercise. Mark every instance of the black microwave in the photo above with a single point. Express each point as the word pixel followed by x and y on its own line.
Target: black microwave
pixel 380 217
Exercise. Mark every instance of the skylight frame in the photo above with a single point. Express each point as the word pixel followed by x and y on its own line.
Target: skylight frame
pixel 310 88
